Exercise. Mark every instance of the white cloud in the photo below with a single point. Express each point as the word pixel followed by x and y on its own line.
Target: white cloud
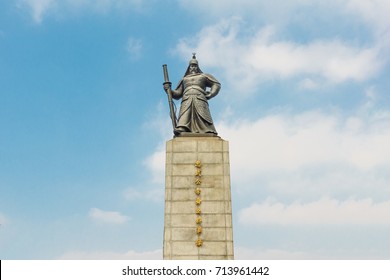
pixel 325 211
pixel 42 8
pixel 258 56
pixel 134 47
pixel 159 123
pixel 243 253
pixel 38 8
pixel 154 195
pixel 109 217
pixel 310 154
pixel 308 84
pixel 156 163
pixel 3 220
pixel 275 10
pixel 285 141
pixel 315 181
pixel 99 255
pixel 375 12
pixel 133 194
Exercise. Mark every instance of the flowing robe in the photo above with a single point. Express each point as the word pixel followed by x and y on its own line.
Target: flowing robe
pixel 194 115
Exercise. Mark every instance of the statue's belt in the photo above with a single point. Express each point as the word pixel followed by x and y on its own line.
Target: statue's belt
pixel 198 90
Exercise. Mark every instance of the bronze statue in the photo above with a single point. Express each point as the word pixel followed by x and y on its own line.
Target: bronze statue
pixel 195 89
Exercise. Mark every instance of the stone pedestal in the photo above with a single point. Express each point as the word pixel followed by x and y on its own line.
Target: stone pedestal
pixel 198 211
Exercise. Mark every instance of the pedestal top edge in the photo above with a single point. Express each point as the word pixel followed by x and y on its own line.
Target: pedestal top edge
pixel 195 138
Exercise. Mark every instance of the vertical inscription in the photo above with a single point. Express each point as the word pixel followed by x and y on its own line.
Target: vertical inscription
pixel 198 202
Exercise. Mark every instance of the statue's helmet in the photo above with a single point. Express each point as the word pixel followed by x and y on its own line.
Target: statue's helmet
pixel 193 59
pixel 192 62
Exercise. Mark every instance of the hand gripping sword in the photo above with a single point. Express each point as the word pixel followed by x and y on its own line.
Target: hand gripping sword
pixel 169 93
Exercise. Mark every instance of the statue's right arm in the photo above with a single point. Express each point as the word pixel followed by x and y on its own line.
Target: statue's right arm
pixel 178 92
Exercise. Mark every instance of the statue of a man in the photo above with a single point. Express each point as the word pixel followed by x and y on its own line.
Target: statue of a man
pixel 195 89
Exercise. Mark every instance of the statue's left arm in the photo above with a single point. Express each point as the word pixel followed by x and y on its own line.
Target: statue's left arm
pixel 214 85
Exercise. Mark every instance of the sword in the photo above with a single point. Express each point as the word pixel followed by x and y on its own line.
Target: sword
pixel 169 94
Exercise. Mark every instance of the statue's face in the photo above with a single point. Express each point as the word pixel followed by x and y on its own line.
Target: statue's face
pixel 193 68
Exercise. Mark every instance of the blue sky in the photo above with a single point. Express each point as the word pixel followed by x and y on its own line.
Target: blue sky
pixel 83 122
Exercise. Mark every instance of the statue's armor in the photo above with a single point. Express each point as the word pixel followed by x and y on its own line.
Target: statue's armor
pixel 194 115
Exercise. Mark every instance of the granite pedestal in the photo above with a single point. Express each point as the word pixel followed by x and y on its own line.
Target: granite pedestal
pixel 198 210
